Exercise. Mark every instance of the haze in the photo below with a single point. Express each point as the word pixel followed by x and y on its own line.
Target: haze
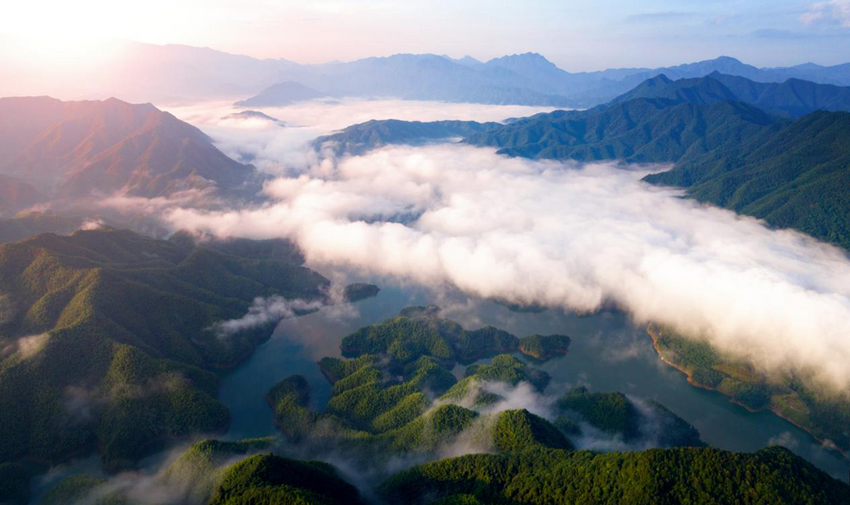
pixel 577 35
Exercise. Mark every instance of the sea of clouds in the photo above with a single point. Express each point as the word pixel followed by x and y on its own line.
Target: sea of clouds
pixel 576 236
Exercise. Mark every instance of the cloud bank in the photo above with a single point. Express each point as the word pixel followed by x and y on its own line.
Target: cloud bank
pixel 577 237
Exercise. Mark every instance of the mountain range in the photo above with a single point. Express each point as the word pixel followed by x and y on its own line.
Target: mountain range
pixel 75 149
pixel 146 72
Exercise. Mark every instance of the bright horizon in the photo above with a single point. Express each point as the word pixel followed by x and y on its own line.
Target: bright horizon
pixel 580 36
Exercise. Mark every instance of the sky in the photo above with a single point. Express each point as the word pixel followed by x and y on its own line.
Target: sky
pixel 576 35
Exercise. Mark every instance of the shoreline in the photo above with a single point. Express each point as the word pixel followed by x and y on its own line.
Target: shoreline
pixel 654 336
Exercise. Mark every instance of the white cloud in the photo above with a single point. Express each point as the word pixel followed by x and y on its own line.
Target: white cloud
pixel 576 237
pixel 831 11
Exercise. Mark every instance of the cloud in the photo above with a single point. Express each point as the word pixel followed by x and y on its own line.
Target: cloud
pixel 579 237
pixel 278 151
pixel 266 310
pixel 834 12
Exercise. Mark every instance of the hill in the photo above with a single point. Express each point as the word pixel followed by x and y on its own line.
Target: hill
pixel 681 475
pixel 794 177
pixel 107 340
pixel 360 138
pixel 102 147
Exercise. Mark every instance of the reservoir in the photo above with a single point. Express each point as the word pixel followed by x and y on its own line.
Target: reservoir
pixel 607 353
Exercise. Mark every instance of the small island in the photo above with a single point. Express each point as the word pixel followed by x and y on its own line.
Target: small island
pixel 544 347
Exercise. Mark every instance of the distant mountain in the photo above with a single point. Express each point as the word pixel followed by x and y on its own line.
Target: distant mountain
pixel 415 77
pixel 79 148
pixel 172 73
pixel 792 98
pixel 283 93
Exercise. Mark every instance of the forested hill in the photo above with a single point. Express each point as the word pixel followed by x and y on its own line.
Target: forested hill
pixel 797 177
pixel 682 475
pixel 359 138
pixel 106 339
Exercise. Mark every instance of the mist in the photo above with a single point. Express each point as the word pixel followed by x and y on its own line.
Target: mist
pixel 580 237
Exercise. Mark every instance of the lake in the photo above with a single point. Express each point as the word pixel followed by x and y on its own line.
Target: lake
pixel 607 353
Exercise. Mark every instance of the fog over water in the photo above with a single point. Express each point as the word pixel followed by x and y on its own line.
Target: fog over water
pixel 578 237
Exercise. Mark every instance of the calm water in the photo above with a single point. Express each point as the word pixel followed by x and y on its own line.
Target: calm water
pixel 607 353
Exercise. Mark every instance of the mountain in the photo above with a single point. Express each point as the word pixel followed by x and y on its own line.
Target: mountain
pixel 640 130
pixel 80 148
pixel 796 177
pixel 792 98
pixel 107 339
pixel 280 94
pixel 700 90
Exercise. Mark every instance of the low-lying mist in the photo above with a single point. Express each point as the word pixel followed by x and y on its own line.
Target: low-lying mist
pixel 576 236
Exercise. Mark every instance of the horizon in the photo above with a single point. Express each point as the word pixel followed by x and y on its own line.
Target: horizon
pixel 579 37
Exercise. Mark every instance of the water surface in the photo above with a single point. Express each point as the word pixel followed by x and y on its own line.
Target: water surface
pixel 607 353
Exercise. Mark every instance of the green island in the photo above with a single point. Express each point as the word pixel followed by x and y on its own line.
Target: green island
pixel 399 404
pixel 820 412
pixel 109 340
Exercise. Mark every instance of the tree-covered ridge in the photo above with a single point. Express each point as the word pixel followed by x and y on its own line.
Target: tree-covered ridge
pixel 796 177
pixel 268 479
pixel 824 414
pixel 419 331
pixel 544 347
pixel 360 138
pixel 643 130
pixel 680 475
pixel 615 414
pixel 105 340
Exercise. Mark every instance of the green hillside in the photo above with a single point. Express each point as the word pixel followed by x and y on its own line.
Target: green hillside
pixel 795 178
pixel 359 138
pixel 106 340
pixel 659 476
pixel 823 413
